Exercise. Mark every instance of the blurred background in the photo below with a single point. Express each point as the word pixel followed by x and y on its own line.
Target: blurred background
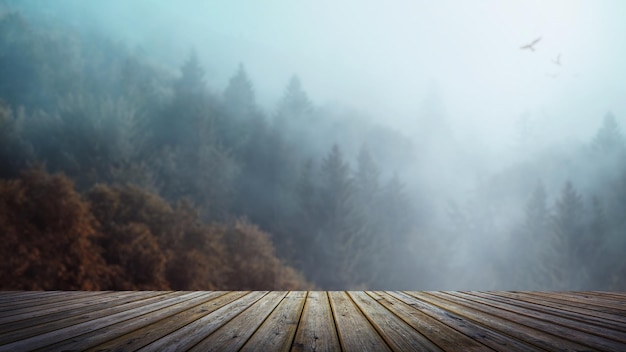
pixel 332 145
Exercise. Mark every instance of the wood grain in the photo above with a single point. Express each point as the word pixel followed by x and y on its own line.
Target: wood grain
pixel 312 321
pixel 316 331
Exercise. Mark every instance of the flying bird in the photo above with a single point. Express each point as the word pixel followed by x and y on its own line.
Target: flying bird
pixel 531 45
pixel 558 60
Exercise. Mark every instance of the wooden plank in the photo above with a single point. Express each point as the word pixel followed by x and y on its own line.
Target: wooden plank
pixel 618 307
pixel 234 334
pixel 316 331
pixel 189 335
pixel 278 330
pixel 26 294
pixel 31 295
pixel 5 293
pixel 540 321
pixel 621 296
pixel 608 321
pixel 569 302
pixel 58 298
pixel 576 303
pixel 468 322
pixel 541 312
pixel 399 335
pixel 610 298
pixel 442 335
pixel 27 328
pixel 609 294
pixel 42 340
pixel 354 330
pixel 86 303
pixel 8 296
pixel 99 336
pixel 156 329
pixel 313 321
pixel 499 333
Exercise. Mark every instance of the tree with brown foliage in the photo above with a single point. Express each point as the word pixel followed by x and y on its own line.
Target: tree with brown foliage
pixel 139 228
pixel 152 245
pixel 254 264
pixel 47 235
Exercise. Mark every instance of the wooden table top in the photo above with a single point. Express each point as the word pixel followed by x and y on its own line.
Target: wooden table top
pixel 312 321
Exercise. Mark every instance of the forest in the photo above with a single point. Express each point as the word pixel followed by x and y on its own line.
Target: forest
pixel 121 172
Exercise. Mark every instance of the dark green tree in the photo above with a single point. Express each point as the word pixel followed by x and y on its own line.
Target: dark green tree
pixel 240 110
pixel 337 238
pixel 15 154
pixel 303 225
pixel 191 115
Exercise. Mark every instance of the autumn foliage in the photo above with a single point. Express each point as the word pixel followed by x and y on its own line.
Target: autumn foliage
pixel 125 238
pixel 48 236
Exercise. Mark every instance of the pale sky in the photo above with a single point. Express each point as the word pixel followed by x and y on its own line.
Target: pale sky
pixel 381 56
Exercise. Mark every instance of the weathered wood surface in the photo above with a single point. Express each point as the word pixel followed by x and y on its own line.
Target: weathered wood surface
pixel 312 321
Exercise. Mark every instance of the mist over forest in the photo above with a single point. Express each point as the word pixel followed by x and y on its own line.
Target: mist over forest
pixel 278 145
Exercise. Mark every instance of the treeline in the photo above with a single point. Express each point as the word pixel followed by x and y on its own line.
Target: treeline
pixel 566 235
pixel 125 238
pixel 170 183
pixel 129 133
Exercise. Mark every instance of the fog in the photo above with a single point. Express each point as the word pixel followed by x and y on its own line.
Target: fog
pixel 445 98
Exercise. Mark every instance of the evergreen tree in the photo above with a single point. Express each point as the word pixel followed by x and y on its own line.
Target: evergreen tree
pixel 191 83
pixel 295 101
pixel 367 177
pixel 302 223
pixel 338 239
pixel 595 247
pixel 267 179
pixel 532 267
pixel 240 110
pixel 189 158
pixel 190 117
pixel 567 242
pixel 239 97
pixel 369 206
pixel 609 138
pixel 294 111
pixel 15 154
pixel 397 217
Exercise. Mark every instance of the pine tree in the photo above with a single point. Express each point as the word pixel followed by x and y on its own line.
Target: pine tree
pixel 15 154
pixel 567 242
pixel 337 239
pixel 240 110
pixel 367 177
pixel 191 116
pixel 397 216
pixel 609 138
pixel 239 97
pixel 191 83
pixel 295 101
pixel 595 246
pixel 303 223
pixel 293 112
pixel 532 266
pixel 373 241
